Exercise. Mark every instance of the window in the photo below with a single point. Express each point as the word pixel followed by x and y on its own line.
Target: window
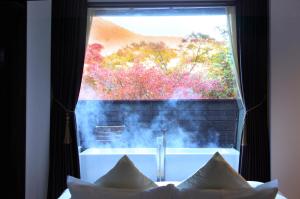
pixel 158 85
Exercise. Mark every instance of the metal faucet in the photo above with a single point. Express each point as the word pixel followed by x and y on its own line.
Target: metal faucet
pixel 161 156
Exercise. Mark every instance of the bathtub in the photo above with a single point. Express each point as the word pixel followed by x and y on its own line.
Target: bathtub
pixel 95 162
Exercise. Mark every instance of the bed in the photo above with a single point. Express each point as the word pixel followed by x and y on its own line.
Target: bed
pixel 216 179
pixel 66 194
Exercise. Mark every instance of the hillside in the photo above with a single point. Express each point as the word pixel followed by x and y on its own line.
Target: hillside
pixel 113 36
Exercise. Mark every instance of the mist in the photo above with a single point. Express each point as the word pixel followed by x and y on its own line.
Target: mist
pixel 138 124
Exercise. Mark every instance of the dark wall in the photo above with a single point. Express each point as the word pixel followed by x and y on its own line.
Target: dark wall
pixel 13 95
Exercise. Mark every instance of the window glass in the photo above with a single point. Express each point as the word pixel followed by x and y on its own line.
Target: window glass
pixel 158 81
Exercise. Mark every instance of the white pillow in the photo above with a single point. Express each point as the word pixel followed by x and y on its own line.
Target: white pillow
pixel 125 175
pixel 215 174
pixel 163 192
pixel 84 190
pixel 264 191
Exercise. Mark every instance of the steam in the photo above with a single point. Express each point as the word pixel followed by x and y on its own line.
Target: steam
pixel 138 130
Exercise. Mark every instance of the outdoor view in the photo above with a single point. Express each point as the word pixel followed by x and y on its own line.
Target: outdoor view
pixel 159 88
pixel 158 58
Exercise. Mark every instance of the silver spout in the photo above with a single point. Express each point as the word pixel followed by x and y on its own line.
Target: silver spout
pixel 161 156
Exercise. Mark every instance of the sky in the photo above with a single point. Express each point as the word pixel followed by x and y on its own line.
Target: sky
pixel 171 25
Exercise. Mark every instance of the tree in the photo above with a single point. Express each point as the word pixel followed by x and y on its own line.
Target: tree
pixel 154 54
pixel 199 68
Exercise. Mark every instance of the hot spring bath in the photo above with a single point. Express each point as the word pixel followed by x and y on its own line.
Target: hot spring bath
pixel 95 162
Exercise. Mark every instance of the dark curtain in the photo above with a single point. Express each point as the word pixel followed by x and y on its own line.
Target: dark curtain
pixel 69 19
pixel 253 46
pixel 13 19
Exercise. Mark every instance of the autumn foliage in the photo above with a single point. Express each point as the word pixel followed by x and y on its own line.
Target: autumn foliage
pixel 198 69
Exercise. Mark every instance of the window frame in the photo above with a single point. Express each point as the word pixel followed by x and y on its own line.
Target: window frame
pixel 158 3
pixel 103 4
pixel 94 4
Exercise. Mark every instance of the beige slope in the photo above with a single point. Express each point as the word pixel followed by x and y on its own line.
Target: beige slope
pixel 113 37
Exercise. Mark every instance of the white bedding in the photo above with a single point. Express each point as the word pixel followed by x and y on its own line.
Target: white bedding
pixel 66 194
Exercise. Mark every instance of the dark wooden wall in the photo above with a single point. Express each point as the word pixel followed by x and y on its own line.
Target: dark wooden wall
pixel 205 121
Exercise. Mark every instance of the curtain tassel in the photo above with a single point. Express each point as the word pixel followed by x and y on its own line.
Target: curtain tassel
pixel 67 139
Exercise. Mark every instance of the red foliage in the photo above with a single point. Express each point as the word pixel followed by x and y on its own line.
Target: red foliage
pixel 139 82
pixel 93 54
